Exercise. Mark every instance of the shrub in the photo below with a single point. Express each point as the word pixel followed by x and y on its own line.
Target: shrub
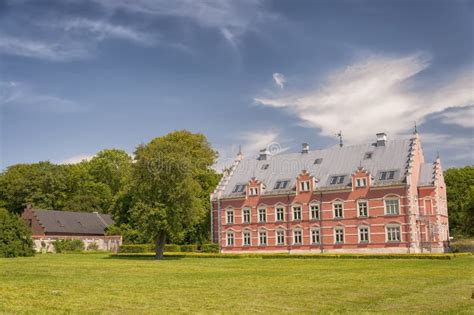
pixel 210 248
pixel 15 236
pixel 68 246
pixel 466 245
pixel 189 248
pixel 136 248
pixel 93 246
pixel 172 248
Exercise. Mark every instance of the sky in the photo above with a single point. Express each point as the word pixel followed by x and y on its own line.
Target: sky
pixel 79 76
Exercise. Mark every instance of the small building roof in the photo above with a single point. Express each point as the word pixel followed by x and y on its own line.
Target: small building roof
pixel 65 222
pixel 427 174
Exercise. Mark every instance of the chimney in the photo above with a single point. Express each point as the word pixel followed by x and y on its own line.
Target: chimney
pixel 381 139
pixel 263 154
pixel 305 148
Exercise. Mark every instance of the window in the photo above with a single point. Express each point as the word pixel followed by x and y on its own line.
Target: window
pixel 230 238
pixel 246 215
pixel 280 214
pixel 338 209
pixel 363 234
pixel 337 180
pixel 280 237
pixel 315 236
pixel 393 234
pixel 296 212
pixel 247 238
pixel 281 184
pixel 239 188
pixel 262 238
pixel 304 186
pixel 392 207
pixel 230 216
pixel 253 191
pixel 387 175
pixel 318 161
pixel 297 237
pixel 339 235
pixel 265 166
pixel 368 155
pixel 361 182
pixel 314 211
pixel 262 215
pixel 362 208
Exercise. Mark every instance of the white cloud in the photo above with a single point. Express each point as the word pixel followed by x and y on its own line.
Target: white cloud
pixel 279 79
pixel 452 148
pixel 77 159
pixel 463 116
pixel 372 95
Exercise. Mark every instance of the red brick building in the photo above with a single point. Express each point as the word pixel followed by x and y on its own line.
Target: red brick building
pixel 376 198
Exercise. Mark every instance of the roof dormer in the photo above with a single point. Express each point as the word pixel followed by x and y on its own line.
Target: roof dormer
pixel 305 182
pixel 254 188
pixel 360 179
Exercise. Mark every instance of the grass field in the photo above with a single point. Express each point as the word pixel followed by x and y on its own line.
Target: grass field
pixel 97 283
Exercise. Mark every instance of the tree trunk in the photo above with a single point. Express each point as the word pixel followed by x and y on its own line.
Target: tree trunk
pixel 160 246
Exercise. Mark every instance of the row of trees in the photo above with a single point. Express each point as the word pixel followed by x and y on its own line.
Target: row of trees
pixel 163 195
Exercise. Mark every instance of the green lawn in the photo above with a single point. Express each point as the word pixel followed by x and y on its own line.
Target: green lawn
pixel 96 283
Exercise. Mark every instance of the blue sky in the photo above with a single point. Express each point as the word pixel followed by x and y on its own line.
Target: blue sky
pixel 80 76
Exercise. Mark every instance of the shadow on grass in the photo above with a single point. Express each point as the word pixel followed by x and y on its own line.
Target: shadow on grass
pixel 141 257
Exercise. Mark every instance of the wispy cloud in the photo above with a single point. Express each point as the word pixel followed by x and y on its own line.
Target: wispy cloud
pixel 374 94
pixel 23 96
pixel 279 80
pixel 452 148
pixel 77 159
pixel 463 116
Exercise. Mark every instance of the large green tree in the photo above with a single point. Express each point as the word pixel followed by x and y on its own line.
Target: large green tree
pixel 460 195
pixel 15 236
pixel 166 186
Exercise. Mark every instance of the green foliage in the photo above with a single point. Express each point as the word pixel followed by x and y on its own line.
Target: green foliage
pixel 172 248
pixel 15 236
pixel 210 248
pixel 463 245
pixel 460 195
pixel 188 248
pixel 136 248
pixel 68 246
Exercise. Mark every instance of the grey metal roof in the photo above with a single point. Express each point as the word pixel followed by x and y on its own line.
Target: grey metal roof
pixel 393 156
pixel 427 173
pixel 65 222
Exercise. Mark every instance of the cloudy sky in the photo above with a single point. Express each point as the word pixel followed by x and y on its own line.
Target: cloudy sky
pixel 80 76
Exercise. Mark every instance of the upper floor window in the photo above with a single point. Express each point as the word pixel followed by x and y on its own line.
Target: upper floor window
pixel 239 188
pixel 338 208
pixel 314 211
pixel 247 239
pixel 262 215
pixel 246 215
pixel 387 175
pixel 230 216
pixel 296 212
pixel 392 206
pixel 281 184
pixel 361 182
pixel 280 237
pixel 337 180
pixel 304 186
pixel 393 233
pixel 363 234
pixel 262 238
pixel 280 213
pixel 230 238
pixel 297 237
pixel 315 236
pixel 253 191
pixel 339 235
pixel 362 208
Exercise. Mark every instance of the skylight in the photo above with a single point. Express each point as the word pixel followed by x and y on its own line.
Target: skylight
pixel 387 175
pixel 368 155
pixel 281 184
pixel 265 166
pixel 318 161
pixel 239 188
pixel 337 180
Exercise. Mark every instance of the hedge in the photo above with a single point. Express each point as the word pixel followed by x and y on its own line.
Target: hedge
pixel 147 248
pixel 68 246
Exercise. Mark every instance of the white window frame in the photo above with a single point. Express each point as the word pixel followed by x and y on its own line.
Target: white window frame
pixel 265 235
pixel 388 231
pixel 229 213
pixel 361 182
pixel 230 238
pixel 359 202
pixel 338 229
pixel 313 233
pixel 388 208
pixel 260 211
pixel 278 234
pixel 337 203
pixel 294 212
pixel 249 215
pixel 253 191
pixel 305 186
pixel 318 211
pixel 244 238
pixel 360 234
pixel 282 213
pixel 300 232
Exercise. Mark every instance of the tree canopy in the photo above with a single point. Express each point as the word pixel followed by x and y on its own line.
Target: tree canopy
pixel 15 236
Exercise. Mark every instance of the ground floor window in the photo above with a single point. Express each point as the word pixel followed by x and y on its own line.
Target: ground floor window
pixel 247 239
pixel 363 234
pixel 262 238
pixel 393 234
pixel 297 237
pixel 230 238
pixel 339 235
pixel 280 237
pixel 315 236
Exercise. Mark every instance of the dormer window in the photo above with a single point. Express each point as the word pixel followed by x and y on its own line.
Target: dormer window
pixel 337 180
pixel 318 161
pixel 281 184
pixel 239 188
pixel 387 175
pixel 253 191
pixel 304 186
pixel 361 182
pixel 265 166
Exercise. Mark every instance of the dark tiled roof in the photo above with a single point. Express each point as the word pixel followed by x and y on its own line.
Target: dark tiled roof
pixel 65 222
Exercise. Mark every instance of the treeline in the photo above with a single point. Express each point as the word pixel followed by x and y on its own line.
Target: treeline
pixel 168 183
